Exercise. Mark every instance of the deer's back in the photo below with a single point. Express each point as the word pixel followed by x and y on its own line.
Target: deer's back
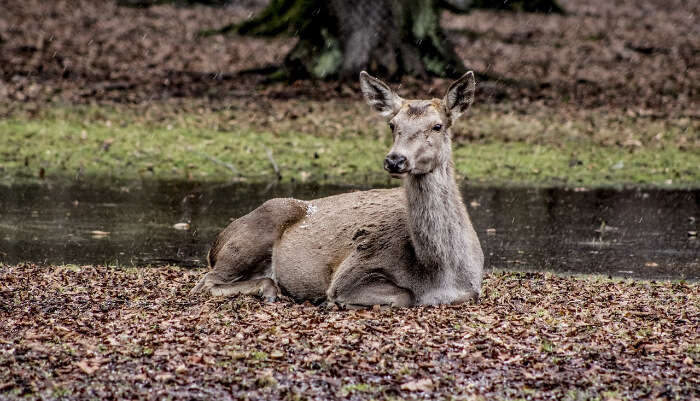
pixel 371 224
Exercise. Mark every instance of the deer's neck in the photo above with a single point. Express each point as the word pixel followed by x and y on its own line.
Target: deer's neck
pixel 442 235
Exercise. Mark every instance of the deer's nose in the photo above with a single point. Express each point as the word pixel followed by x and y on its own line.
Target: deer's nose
pixel 395 163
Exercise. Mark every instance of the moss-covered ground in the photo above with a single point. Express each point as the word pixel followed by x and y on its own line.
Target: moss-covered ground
pixel 339 141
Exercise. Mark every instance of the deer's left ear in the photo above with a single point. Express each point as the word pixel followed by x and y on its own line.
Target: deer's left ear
pixel 460 96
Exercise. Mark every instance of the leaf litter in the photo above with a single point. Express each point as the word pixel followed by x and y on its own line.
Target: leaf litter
pixel 636 56
pixel 81 332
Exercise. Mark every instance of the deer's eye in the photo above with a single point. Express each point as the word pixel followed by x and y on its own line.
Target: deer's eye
pixel 391 127
pixel 437 127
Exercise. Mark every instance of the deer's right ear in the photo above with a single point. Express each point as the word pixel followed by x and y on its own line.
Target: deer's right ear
pixel 379 96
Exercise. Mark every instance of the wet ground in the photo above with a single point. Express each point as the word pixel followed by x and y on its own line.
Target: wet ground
pixel 638 233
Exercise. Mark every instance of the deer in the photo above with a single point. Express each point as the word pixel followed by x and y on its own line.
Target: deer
pixel 398 247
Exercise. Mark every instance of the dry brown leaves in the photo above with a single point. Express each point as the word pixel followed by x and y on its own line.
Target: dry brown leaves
pixel 636 55
pixel 99 332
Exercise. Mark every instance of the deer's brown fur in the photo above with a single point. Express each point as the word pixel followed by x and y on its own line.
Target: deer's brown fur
pixel 391 247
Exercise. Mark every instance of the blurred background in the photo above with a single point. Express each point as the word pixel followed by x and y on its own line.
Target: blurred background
pixel 639 56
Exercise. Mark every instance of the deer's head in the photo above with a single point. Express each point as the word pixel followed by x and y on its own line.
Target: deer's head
pixel 421 128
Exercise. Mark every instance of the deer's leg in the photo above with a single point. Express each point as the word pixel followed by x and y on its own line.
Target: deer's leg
pixel 233 270
pixel 262 287
pixel 362 289
pixel 237 263
pixel 241 256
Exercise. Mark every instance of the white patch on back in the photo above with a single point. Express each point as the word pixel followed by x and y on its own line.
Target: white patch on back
pixel 310 210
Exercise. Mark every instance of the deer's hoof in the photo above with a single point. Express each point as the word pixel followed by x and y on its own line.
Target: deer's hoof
pixel 330 306
pixel 202 286
pixel 268 291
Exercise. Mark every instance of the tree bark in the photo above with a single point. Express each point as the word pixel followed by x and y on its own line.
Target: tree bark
pixel 338 38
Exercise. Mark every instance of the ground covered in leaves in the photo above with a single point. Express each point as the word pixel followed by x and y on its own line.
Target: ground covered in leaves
pixel 640 56
pixel 92 332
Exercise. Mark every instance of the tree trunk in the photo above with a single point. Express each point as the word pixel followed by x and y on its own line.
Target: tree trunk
pixel 339 38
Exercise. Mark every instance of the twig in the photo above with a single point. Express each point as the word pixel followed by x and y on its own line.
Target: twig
pixel 274 163
pixel 230 166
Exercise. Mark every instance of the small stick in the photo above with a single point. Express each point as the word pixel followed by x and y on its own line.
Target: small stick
pixel 221 163
pixel 272 160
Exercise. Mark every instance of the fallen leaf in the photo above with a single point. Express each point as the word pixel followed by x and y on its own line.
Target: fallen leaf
pixel 99 234
pixel 165 377
pixel 194 359
pixel 653 347
pixel 632 143
pixel 86 367
pixel 107 143
pixel 418 385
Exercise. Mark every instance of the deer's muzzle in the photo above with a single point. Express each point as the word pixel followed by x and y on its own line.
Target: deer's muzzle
pixel 395 163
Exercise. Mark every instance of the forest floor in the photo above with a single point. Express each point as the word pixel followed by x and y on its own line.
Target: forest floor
pixel 604 95
pixel 95 332
pixel 639 57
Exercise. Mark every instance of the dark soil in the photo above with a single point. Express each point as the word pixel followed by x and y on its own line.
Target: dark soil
pixel 92 332
pixel 641 56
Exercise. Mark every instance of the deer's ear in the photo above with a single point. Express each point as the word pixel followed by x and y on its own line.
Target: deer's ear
pixel 379 96
pixel 460 96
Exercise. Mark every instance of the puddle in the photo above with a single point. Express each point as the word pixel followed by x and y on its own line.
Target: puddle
pixel 630 233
